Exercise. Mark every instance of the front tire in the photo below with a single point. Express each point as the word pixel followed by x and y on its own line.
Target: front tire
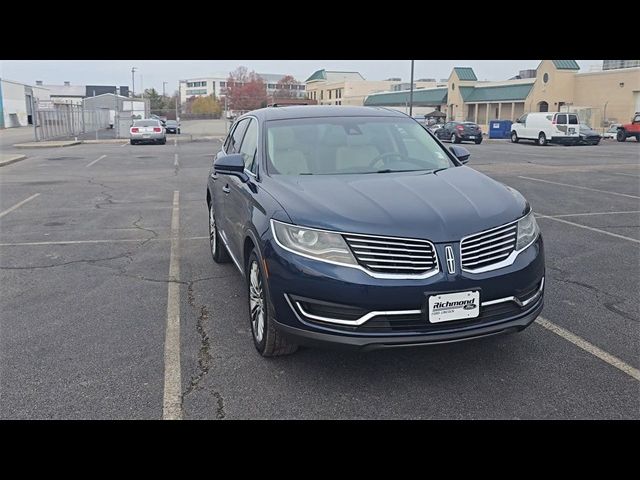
pixel 514 137
pixel 267 340
pixel 454 138
pixel 621 136
pixel 542 139
pixel 218 250
pixel 478 141
pixel 132 142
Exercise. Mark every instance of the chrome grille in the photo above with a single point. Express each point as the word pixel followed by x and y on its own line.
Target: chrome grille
pixel 393 255
pixel 488 248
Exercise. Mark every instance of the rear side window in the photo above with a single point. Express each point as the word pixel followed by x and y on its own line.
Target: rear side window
pixel 236 137
pixel 561 119
pixel 573 120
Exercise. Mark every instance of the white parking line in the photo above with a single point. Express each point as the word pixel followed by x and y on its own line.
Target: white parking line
pixel 124 144
pixel 172 400
pixel 175 159
pixel 96 160
pixel 590 348
pixel 175 142
pixel 19 204
pixel 626 174
pixel 590 228
pixel 590 213
pixel 581 188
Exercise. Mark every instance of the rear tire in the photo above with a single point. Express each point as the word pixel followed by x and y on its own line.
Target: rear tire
pixel 542 139
pixel 621 136
pixel 163 141
pixel 132 142
pixel 638 138
pixel 218 250
pixel 478 141
pixel 454 138
pixel 514 137
pixel 267 340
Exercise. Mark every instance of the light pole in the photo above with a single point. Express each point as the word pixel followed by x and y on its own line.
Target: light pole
pixel 133 82
pixel 411 92
pixel 163 89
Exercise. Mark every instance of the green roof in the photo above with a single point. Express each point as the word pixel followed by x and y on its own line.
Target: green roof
pixel 502 93
pixel 465 73
pixel 317 75
pixel 566 64
pixel 465 92
pixel 425 97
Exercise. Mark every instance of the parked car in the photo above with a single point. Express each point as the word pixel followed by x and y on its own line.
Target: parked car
pixel 629 129
pixel 172 126
pixel 589 136
pixel 148 130
pixel 612 132
pixel 162 120
pixel 355 226
pixel 421 119
pixel 457 132
pixel 434 127
pixel 547 127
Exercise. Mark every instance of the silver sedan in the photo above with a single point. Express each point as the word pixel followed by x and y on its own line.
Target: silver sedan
pixel 147 130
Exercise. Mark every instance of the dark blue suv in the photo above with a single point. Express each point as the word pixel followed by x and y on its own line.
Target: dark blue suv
pixel 355 226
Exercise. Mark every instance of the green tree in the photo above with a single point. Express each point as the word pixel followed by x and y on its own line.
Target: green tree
pixel 156 101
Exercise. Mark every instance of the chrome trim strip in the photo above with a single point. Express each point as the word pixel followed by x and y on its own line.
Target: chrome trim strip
pixel 356 322
pixel 519 302
pixel 389 276
pixel 222 235
pixel 504 263
pixel 493 239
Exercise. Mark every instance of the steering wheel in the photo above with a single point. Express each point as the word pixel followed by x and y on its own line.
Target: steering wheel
pixel 383 156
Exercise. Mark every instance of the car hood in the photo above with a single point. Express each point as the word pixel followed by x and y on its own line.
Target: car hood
pixel 441 207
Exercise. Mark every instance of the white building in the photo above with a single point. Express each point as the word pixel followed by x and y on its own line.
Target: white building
pixel 216 84
pixel 16 102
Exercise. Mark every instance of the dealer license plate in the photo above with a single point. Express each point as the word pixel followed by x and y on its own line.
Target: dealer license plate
pixel 454 306
pixel 471 137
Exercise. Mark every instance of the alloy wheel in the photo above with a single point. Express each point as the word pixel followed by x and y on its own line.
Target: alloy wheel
pixel 256 301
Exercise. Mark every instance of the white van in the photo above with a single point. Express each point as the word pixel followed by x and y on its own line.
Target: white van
pixel 547 127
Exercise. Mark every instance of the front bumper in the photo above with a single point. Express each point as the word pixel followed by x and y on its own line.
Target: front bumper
pixel 293 277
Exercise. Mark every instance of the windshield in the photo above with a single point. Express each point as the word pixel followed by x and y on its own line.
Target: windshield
pixel 146 123
pixel 171 122
pixel 347 145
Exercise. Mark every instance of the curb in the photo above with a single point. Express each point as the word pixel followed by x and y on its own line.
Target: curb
pixel 12 159
pixel 46 144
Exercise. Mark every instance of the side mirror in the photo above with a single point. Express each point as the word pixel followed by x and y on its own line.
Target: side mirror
pixel 461 153
pixel 231 165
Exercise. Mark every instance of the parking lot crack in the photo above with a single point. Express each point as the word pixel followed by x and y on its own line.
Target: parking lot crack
pixel 220 414
pixel 204 355
pixel 87 260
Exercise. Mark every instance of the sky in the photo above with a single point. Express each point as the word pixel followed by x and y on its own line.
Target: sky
pixel 152 73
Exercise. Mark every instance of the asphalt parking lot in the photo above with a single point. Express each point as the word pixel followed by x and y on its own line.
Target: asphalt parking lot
pixel 88 234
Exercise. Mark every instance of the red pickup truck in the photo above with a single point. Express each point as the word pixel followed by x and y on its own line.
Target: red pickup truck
pixel 630 129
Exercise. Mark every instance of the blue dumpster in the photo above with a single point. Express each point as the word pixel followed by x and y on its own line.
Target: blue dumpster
pixel 499 128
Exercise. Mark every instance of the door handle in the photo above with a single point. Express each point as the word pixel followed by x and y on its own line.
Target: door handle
pixel 226 189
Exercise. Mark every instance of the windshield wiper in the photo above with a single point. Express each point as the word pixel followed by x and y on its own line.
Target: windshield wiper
pixel 389 170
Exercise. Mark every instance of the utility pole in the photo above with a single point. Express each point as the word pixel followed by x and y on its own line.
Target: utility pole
pixel 133 82
pixel 163 89
pixel 411 92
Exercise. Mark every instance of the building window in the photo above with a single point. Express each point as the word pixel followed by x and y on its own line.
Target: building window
pixel 200 91
pixel 543 107
pixel 271 85
pixel 223 84
pixel 453 86
pixel 321 94
pixel 545 79
pixel 329 94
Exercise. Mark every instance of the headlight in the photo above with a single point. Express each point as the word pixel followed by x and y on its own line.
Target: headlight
pixel 528 231
pixel 324 246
